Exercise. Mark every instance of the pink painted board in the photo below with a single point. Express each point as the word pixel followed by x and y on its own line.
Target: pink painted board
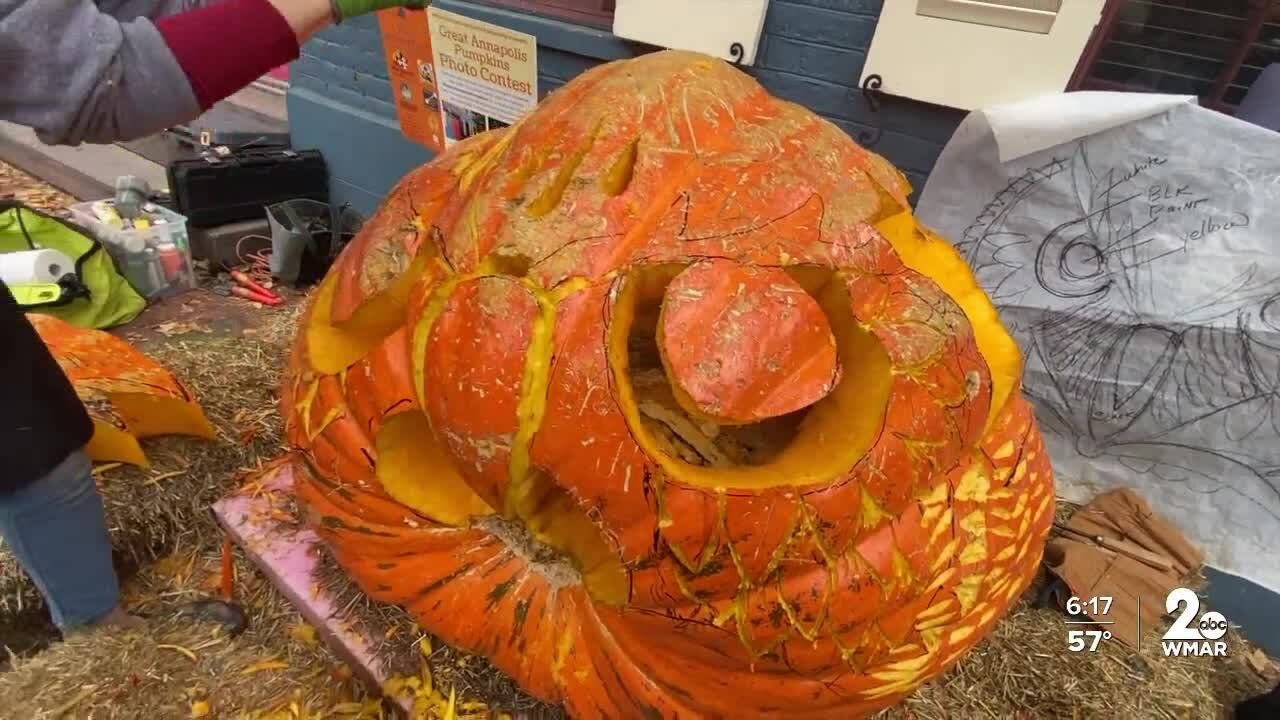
pixel 288 557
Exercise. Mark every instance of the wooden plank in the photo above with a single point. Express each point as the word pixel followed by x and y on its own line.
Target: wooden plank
pixel 287 556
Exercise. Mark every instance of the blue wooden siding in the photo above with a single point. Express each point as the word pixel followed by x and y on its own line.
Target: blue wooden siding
pixel 812 52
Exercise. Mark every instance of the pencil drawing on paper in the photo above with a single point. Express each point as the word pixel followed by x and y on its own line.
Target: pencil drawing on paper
pixel 1132 352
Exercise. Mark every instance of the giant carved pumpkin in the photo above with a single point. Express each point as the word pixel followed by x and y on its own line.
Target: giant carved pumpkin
pixel 661 400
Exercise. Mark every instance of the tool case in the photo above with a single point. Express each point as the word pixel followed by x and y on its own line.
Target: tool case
pixel 227 185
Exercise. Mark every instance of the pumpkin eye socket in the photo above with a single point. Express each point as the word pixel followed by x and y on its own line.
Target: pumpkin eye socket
pixel 818 411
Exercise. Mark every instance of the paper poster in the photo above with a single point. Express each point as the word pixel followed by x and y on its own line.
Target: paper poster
pixel 406 38
pixel 487 75
pixel 1132 246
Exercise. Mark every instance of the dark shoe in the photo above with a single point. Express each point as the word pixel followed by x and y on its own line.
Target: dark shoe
pixel 1263 707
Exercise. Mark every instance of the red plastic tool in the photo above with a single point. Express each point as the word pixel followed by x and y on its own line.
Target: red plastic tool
pixel 249 284
pixel 247 294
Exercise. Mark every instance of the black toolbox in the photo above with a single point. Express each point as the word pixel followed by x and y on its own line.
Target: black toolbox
pixel 225 186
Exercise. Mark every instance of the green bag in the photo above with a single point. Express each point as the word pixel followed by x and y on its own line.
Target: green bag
pixel 96 295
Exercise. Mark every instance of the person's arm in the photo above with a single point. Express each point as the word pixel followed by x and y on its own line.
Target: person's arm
pixel 78 74
pixel 123 10
pixel 223 47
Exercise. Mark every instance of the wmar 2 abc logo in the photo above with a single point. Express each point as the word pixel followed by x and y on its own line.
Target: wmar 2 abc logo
pixel 1192 634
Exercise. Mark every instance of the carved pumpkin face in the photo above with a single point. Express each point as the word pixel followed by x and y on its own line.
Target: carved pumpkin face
pixel 661 401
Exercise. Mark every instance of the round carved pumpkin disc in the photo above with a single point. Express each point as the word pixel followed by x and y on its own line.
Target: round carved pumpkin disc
pixel 743 344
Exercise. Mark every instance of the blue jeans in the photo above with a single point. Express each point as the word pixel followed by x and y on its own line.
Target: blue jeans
pixel 56 529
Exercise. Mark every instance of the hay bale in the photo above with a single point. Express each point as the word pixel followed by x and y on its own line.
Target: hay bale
pixel 150 511
pixel 169 669
pixel 278 660
pixel 1024 670
pixel 22 186
pixel 24 635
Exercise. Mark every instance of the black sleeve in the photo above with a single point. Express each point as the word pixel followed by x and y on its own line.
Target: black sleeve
pixel 42 421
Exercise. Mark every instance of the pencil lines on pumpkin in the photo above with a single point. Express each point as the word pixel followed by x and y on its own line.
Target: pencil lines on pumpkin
pixel 684 200
pixel 412 208
pixel 396 404
pixel 118 385
pixel 568 244
pixel 682 234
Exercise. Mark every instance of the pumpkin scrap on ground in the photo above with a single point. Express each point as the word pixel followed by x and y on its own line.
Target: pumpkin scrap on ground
pixel 128 395
pixel 152 510
pixel 661 400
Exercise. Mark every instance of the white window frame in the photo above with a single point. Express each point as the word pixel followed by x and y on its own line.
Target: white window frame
pixel 1035 16
pixel 970 54
pixel 728 29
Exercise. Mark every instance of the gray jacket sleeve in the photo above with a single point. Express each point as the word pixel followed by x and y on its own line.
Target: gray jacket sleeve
pixel 80 71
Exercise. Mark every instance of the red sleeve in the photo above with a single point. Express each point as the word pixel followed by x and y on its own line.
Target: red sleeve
pixel 225 46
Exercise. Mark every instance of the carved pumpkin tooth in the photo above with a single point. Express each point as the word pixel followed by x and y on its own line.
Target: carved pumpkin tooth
pixel 664 402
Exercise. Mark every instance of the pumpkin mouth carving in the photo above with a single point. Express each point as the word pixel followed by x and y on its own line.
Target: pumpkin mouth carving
pixel 545 526
pixel 813 445
pixel 549 529
pixel 536 518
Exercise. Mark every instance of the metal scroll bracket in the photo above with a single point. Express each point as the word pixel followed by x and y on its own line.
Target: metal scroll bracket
pixel 872 96
pixel 871 91
pixel 737 52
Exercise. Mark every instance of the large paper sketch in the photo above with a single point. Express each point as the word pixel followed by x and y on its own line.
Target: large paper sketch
pixel 1139 268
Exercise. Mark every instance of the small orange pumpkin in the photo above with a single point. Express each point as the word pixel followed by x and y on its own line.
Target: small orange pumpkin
pixel 661 400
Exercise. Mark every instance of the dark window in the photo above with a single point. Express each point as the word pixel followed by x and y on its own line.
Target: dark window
pixel 1213 49
pixel 588 12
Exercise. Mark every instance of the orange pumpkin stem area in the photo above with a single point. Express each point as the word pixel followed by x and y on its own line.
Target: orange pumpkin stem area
pixel 661 400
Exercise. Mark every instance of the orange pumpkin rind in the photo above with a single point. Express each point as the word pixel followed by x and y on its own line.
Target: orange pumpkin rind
pixel 495 428
pixel 128 395
pixel 708 311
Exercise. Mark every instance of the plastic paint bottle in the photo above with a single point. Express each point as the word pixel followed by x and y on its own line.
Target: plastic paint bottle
pixel 171 260
pixel 137 268
pixel 155 272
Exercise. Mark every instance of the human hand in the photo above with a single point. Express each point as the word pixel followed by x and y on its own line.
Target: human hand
pixel 344 9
